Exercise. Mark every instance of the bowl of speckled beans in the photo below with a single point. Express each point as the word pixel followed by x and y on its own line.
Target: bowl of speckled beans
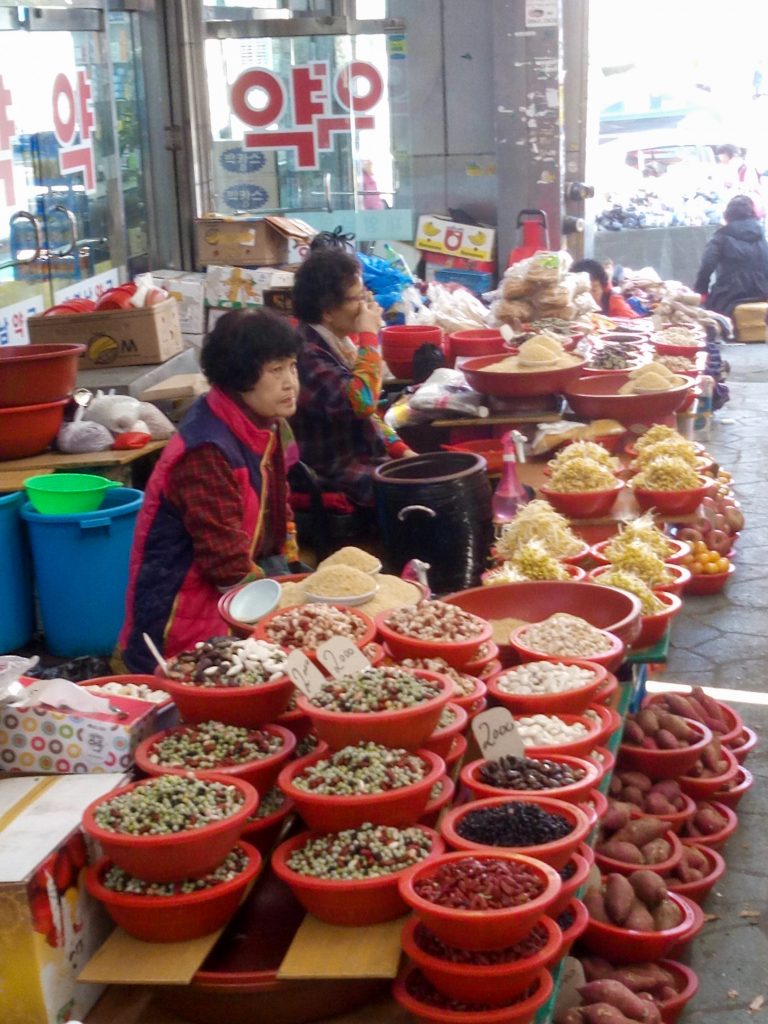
pixel 174 911
pixel 385 704
pixel 255 755
pixel 171 827
pixel 362 782
pixel 351 877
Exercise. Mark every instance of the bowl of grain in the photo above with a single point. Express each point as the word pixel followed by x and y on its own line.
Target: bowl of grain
pixel 340 584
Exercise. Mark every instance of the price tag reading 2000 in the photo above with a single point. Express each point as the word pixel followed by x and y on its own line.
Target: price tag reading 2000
pixel 341 657
pixel 303 674
pixel 496 734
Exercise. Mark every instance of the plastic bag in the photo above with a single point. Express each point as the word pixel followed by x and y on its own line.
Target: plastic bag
pixel 385 281
pixel 447 391
pixel 457 310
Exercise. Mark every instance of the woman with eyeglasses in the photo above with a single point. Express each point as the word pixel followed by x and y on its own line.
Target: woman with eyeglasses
pixel 337 426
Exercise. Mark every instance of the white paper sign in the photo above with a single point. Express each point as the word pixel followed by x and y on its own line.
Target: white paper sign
pixel 496 734
pixel 13 320
pixel 90 287
pixel 303 674
pixel 541 13
pixel 341 657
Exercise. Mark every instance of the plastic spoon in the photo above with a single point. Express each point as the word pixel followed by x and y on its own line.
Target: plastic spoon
pixel 155 653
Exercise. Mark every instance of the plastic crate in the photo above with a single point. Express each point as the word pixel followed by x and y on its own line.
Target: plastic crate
pixel 472 279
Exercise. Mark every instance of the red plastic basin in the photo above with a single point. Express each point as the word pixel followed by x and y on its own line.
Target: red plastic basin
pixel 517 385
pixel 456 652
pixel 665 764
pixel 583 504
pixel 37 373
pixel 627 946
pixel 698 889
pixel 610 659
pixel 597 397
pixel 522 1011
pixel 575 792
pixel 29 429
pixel 248 706
pixel 674 503
pixel 573 701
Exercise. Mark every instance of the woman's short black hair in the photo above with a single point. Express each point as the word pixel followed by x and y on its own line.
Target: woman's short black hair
pixel 322 282
pixel 595 269
pixel 237 348
pixel 728 150
pixel 739 208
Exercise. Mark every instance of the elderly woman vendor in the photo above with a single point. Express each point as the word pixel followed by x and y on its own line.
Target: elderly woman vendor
pixel 337 426
pixel 215 511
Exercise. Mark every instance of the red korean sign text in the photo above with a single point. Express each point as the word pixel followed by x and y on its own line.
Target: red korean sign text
pixel 73 109
pixel 310 101
pixel 7 131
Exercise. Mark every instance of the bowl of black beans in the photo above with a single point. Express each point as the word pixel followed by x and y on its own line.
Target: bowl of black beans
pixel 538 826
pixel 561 776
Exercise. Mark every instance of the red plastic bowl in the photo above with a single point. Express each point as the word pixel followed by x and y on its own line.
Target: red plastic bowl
pixel 555 853
pixel 701 584
pixel 406 727
pixel 350 903
pixel 679 550
pixel 249 706
pixel 456 754
pixel 687 985
pixel 469 700
pixel 522 1011
pixel 705 786
pixel 605 692
pixel 681 576
pixel 736 790
pixel 260 773
pixel 70 307
pixel 326 813
pixel 176 855
pixel 610 721
pixel 596 397
pixel 577 926
pixel 627 946
pixel 516 385
pixel 573 793
pixel 295 721
pixel 718 839
pixel 482 342
pixel 481 929
pixel 603 757
pixel 667 348
pixel 173 918
pixel 441 740
pixel 264 832
pixel 488 653
pixel 37 373
pixel 609 865
pixel 438 803
pixel 573 701
pixel 610 659
pixel 138 680
pixel 665 764
pixel 699 889
pixel 674 503
pixel 744 744
pixel 583 504
pixel 678 819
pixel 653 627
pixel 581 860
pixel 29 429
pixel 733 718
pixel 261 632
pixel 594 805
pixel 575 748
pixel 411 336
pixel 496 984
pixel 490 448
pixel 456 652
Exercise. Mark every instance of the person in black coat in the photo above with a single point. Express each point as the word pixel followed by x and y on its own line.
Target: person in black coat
pixel 737 254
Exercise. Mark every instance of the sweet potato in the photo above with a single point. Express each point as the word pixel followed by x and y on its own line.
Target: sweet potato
pixel 602 1013
pixel 594 901
pixel 616 816
pixel 633 795
pixel 641 831
pixel 657 803
pixel 573 1015
pixel 649 743
pixel 633 733
pixel 677 704
pixel 700 714
pixel 628 853
pixel 669 788
pixel 616 786
pixel 706 821
pixel 619 896
pixel 648 887
pixel 638 779
pixel 666 915
pixel 677 726
pixel 710 705
pixel 616 994
pixel 595 968
pixel 640 918
pixel 695 858
pixel 643 977
pixel 657 851
pixel 648 721
pixel 666 741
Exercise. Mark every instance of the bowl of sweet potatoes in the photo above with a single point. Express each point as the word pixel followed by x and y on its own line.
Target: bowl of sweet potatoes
pixel 628 841
pixel 663 799
pixel 660 744
pixel 636 917
pixel 662 988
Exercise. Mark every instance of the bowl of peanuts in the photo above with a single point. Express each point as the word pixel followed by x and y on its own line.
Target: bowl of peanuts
pixel 433 629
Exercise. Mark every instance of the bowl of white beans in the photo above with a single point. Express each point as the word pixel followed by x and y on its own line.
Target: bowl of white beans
pixel 563 733
pixel 547 686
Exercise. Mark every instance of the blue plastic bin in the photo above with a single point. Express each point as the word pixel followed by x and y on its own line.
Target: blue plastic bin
pixel 81 570
pixel 17 613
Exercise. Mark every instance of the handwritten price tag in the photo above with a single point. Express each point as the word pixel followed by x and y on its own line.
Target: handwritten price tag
pixel 341 657
pixel 303 674
pixel 496 735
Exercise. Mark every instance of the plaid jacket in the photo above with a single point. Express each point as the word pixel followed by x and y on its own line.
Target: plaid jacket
pixel 338 430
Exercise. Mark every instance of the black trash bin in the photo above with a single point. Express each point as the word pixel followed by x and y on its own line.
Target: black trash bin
pixel 436 507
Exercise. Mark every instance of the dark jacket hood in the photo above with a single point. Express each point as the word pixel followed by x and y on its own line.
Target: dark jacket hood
pixel 749 230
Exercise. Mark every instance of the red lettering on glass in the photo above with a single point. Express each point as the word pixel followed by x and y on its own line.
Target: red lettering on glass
pixel 302 141
pixel 257 78
pixel 84 104
pixel 79 158
pixel 64 125
pixel 343 86
pixel 310 91
pixel 7 125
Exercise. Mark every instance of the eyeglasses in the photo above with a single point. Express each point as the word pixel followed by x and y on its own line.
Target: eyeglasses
pixel 360 297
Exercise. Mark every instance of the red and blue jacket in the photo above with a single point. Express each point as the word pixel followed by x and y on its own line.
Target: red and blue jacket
pixel 168 597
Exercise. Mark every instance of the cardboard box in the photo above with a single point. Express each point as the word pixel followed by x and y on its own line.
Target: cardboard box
pixel 115 337
pixel 239 288
pixel 749 321
pixel 438 234
pixel 188 288
pixel 50 925
pixel 249 241
pixel 46 742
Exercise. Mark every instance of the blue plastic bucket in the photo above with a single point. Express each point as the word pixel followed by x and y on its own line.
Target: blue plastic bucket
pixel 81 570
pixel 17 614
